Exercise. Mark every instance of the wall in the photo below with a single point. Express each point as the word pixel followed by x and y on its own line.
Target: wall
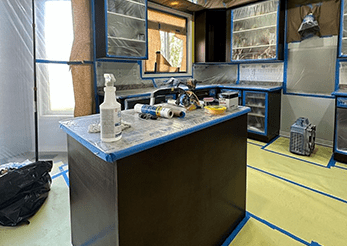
pixel 16 80
pixel 310 80
pixel 319 111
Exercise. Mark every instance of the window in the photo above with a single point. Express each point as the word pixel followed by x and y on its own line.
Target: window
pixel 169 43
pixel 55 36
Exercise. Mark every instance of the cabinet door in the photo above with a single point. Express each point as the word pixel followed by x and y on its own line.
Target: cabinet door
pixel 343 31
pixel 257 118
pixel 255 31
pixel 122 33
pixel 341 126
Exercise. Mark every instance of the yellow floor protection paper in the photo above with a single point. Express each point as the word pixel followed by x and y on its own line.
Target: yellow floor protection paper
pixel 257 233
pixel 252 141
pixel 51 224
pixel 341 165
pixel 321 154
pixel 308 215
pixel 332 181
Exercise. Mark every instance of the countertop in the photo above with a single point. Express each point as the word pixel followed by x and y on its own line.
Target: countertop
pixel 143 134
pixel 340 92
pixel 145 92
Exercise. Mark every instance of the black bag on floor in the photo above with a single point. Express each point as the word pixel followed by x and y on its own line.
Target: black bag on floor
pixel 23 191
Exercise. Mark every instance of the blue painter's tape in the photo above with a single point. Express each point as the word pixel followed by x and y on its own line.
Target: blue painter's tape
pixel 303 186
pixel 66 178
pixel 236 231
pixel 279 229
pixel 344 168
pixel 255 144
pixel 331 162
pixel 308 95
pixel 295 158
pixel 273 140
pixel 58 174
pixel 315 244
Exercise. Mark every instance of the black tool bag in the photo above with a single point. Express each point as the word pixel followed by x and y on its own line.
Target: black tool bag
pixel 23 191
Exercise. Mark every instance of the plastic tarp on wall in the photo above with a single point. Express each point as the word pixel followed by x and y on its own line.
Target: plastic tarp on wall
pixel 343 75
pixel 127 75
pixel 215 74
pixel 16 79
pixel 261 72
pixel 311 66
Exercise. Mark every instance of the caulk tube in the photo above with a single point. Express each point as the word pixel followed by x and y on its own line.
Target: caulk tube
pixel 110 113
pixel 153 110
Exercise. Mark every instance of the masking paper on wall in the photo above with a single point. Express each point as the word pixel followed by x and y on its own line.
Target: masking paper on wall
pixel 215 74
pixel 127 75
pixel 311 66
pixel 262 72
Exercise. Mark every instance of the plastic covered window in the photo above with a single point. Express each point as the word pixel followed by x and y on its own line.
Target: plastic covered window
pixel 167 43
pixel 54 34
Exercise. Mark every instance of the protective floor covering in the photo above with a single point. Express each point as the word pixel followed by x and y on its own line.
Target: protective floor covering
pixel 294 200
pixel 291 201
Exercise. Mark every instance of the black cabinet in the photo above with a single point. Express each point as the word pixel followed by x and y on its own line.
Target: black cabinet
pixel 212 35
pixel 120 29
pixel 265 116
pixel 340 134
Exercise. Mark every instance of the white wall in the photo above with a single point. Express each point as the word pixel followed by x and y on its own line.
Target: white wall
pixel 319 111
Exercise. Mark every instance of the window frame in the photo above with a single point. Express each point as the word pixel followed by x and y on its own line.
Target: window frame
pixel 189 48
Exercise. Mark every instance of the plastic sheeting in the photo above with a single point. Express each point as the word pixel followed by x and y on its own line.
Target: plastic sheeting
pixel 142 134
pixel 215 74
pixel 341 129
pixel 16 79
pixel 126 25
pixel 311 66
pixel 255 31
pixel 127 75
pixel 344 30
pixel 262 72
pixel 343 75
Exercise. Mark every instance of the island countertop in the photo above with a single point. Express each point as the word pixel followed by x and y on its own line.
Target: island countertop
pixel 143 134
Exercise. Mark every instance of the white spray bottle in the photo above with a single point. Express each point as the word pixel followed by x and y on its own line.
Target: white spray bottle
pixel 110 112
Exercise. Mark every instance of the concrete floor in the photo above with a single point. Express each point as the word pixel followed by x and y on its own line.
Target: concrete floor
pixel 291 200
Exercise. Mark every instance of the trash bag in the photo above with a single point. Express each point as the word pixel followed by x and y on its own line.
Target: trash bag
pixel 23 191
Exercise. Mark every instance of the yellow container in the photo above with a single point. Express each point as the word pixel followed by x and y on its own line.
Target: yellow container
pixel 215 109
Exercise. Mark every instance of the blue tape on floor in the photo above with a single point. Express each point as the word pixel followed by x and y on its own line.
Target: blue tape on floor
pixel 255 144
pixel 273 140
pixel 344 168
pixel 59 174
pixel 315 244
pixel 66 178
pixel 331 162
pixel 236 231
pixel 279 229
pixel 295 158
pixel 303 186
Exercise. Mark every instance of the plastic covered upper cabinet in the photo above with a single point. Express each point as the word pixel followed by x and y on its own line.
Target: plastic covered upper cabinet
pixel 120 28
pixel 257 32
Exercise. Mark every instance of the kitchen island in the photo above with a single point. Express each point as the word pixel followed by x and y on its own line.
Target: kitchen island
pixel 179 181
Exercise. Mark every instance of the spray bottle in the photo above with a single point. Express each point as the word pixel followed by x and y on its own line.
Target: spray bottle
pixel 110 112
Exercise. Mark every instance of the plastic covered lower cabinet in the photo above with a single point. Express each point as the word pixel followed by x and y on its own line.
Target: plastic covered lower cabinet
pixel 257 33
pixel 121 28
pixel 264 118
pixel 340 136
